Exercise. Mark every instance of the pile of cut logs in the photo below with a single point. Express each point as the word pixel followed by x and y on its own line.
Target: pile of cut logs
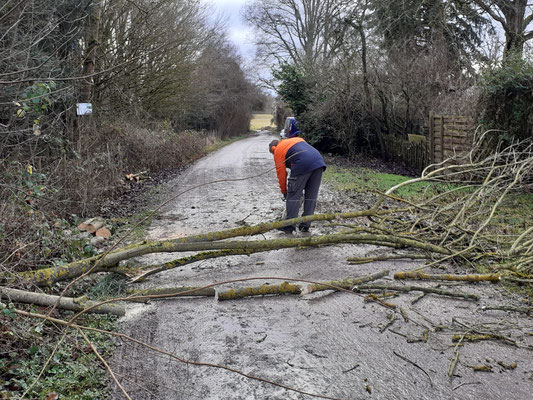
pixel 96 226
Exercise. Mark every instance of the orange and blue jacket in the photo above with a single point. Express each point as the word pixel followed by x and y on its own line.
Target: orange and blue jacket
pixel 296 154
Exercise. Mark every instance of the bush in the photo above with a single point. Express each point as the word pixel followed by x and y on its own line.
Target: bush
pixel 41 198
pixel 506 100
pixel 293 88
pixel 339 123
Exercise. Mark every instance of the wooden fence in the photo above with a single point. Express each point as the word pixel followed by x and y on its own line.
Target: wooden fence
pixel 448 136
pixel 413 155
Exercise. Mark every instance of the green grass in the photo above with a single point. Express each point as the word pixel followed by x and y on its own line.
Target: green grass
pixel 260 121
pixel 361 180
pixel 514 214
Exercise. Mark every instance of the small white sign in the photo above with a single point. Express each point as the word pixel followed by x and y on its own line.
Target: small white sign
pixel 84 108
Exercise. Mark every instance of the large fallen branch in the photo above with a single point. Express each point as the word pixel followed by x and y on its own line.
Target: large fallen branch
pixel 365 260
pixel 251 291
pixel 49 276
pixel 263 290
pixel 442 292
pixel 454 225
pixel 65 303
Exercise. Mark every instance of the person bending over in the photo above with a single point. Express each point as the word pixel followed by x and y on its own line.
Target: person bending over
pixel 306 165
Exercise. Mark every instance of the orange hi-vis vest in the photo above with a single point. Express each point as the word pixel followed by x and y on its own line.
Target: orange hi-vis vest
pixel 280 158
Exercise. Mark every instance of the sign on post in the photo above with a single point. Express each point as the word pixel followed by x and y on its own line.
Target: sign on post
pixel 84 108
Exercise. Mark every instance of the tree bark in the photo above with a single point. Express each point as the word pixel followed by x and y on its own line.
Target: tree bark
pixel 466 296
pixel 65 303
pixel 92 41
pixel 212 241
pixel 448 277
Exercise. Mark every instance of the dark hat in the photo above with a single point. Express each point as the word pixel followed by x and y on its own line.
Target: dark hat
pixel 272 144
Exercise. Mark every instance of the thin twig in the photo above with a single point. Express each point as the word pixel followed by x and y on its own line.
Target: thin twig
pixel 106 365
pixel 43 369
pixel 415 364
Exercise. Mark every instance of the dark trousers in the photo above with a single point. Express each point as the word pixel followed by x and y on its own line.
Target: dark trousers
pixel 308 185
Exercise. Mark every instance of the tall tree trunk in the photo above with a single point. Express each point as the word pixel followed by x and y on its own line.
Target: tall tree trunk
pixel 512 17
pixel 515 31
pixel 92 46
pixel 364 65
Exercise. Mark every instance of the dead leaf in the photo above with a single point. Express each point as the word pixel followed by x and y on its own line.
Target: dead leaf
pixel 52 396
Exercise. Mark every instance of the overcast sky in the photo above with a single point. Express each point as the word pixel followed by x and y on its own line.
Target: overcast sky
pixel 239 33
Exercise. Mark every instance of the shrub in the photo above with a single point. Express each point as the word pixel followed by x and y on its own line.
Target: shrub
pixel 293 88
pixel 40 199
pixel 506 100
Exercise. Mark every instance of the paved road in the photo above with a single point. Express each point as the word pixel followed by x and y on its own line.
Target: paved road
pixel 328 344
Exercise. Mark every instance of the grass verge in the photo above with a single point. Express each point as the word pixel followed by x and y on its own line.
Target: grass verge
pixel 512 216
pixel 355 180
pixel 260 121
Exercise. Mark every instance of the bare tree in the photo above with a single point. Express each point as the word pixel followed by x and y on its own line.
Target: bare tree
pixel 515 17
pixel 303 32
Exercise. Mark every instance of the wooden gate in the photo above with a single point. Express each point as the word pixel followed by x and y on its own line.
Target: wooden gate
pixel 449 136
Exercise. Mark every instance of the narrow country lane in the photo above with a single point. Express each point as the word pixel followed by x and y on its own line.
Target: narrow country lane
pixel 328 344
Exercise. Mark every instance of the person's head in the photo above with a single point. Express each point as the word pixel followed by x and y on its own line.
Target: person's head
pixel 272 145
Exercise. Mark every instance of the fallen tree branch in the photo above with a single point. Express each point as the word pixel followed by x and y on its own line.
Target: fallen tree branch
pixel 346 283
pixel 376 299
pixel 365 260
pixel 455 359
pixel 65 303
pixel 442 292
pixel 416 365
pixel 524 310
pixel 390 321
pixel 472 337
pixel 263 290
pixel 182 292
pixel 481 331
pixel 447 277
pixel 157 268
pixel 147 294
pixel 49 276
pixel 286 288
pixel 213 241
